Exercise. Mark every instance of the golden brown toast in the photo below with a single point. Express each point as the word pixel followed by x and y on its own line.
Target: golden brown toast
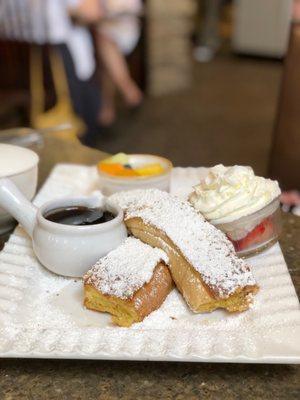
pixel 202 260
pixel 130 282
pixel 147 299
pixel 188 281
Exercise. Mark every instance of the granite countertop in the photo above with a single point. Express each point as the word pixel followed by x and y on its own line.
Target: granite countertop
pixel 73 379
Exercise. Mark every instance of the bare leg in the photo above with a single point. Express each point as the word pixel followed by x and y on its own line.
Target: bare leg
pixel 107 113
pixel 87 11
pixel 116 66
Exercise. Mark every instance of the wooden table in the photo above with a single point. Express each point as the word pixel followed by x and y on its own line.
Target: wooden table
pixel 72 379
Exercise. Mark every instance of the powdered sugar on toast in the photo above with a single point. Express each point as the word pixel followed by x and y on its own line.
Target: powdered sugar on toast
pixel 126 269
pixel 205 247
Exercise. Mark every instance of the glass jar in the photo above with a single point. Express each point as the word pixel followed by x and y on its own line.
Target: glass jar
pixel 255 232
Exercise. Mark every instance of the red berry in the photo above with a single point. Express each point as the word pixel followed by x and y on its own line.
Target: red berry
pixel 259 234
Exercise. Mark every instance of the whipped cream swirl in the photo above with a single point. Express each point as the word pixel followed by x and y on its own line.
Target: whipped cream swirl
pixel 229 193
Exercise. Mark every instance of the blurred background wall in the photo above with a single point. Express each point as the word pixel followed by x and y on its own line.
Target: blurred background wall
pixel 210 72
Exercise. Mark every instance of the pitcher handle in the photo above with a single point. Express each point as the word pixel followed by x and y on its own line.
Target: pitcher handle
pixel 16 204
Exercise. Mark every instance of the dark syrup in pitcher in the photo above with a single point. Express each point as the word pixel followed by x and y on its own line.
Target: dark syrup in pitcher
pixel 78 216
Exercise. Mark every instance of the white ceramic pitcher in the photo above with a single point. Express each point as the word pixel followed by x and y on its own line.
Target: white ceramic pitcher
pixel 64 249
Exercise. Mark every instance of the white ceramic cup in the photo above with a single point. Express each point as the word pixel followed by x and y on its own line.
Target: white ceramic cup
pixel 64 249
pixel 20 165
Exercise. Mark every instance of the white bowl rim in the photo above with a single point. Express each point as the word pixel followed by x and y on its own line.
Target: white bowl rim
pixel 36 160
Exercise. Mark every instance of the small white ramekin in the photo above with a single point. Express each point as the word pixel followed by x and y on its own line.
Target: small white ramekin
pixel 110 184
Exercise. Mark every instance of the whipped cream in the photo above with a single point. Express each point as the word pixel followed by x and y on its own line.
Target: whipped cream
pixel 229 193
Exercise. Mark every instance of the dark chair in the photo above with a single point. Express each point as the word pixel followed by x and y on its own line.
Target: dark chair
pixel 285 153
pixel 14 84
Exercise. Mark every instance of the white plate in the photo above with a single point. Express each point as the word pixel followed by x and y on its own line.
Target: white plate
pixel 41 315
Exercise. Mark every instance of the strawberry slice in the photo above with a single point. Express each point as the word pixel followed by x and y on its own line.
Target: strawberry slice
pixel 261 233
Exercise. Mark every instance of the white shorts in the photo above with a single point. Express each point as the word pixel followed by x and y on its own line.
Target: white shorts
pixel 124 31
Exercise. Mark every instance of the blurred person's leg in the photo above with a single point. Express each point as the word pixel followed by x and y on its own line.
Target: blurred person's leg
pixel 87 11
pixel 115 63
pixel 209 36
pixel 107 114
pixel 85 95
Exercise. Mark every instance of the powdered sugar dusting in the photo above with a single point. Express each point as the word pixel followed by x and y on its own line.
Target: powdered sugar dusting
pixel 50 320
pixel 205 247
pixel 126 269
